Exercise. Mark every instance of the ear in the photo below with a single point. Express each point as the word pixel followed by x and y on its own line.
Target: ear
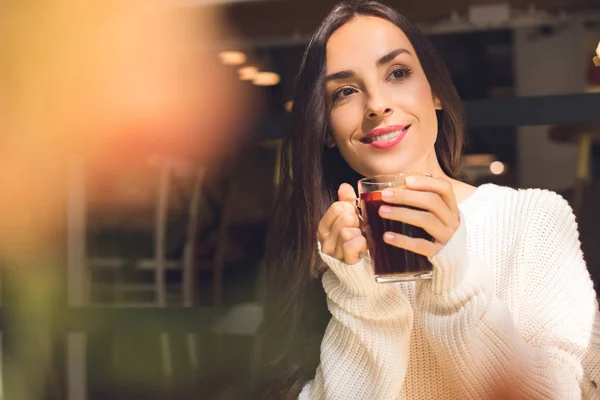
pixel 437 103
pixel 330 141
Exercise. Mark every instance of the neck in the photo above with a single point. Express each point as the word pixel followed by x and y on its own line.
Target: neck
pixel 430 165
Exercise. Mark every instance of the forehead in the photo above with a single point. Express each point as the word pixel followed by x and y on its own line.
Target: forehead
pixel 362 40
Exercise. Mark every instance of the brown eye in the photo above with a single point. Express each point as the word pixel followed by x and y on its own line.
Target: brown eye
pixel 343 93
pixel 399 74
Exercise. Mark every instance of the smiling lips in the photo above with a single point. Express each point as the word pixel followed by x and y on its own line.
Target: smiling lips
pixel 384 138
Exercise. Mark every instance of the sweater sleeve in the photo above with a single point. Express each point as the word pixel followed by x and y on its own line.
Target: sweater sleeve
pixel 364 352
pixel 554 353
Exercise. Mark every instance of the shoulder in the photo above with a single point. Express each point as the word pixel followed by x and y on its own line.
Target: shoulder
pixel 519 210
pixel 541 213
pixel 542 206
pixel 527 202
pixel 540 197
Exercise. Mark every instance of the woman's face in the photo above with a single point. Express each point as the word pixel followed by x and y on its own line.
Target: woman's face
pixel 383 116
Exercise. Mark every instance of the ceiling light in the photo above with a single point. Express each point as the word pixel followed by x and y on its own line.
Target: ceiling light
pixel 288 106
pixel 248 73
pixel 266 79
pixel 232 57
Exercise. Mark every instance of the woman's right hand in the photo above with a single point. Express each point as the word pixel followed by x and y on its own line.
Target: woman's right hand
pixel 339 230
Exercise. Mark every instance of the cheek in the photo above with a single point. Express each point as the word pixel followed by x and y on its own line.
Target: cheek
pixel 415 98
pixel 345 120
pixel 417 101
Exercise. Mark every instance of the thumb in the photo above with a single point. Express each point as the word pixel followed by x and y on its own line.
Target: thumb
pixel 346 193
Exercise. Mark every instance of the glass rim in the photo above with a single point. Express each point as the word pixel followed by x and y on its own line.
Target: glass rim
pixel 394 178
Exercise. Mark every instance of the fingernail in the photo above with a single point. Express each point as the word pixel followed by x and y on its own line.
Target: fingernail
pixel 387 193
pixel 388 236
pixel 411 179
pixel 385 209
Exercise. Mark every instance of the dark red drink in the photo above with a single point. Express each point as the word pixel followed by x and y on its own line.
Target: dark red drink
pixel 389 260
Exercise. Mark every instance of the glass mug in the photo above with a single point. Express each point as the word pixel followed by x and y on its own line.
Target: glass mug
pixel 391 264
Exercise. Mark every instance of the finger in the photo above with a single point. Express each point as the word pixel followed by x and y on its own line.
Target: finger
pixel 329 246
pixel 332 214
pixel 353 248
pixel 428 201
pixel 346 193
pixel 441 186
pixel 416 245
pixel 344 220
pixel 422 219
pixel 349 233
pixel 346 234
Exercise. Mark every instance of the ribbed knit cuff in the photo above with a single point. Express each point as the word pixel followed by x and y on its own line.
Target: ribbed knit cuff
pixel 359 278
pixel 451 263
pixel 458 276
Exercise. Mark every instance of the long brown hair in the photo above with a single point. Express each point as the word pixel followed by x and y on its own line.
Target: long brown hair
pixel 296 311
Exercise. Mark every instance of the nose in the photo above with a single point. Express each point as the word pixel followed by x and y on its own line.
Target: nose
pixel 377 107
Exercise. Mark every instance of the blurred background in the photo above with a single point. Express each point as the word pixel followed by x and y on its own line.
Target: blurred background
pixel 140 144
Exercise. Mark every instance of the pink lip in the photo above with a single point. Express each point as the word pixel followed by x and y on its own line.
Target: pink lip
pixel 386 129
pixel 386 144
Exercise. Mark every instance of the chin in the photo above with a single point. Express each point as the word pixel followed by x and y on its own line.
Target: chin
pixel 395 162
pixel 368 162
pixel 384 167
pixel 369 171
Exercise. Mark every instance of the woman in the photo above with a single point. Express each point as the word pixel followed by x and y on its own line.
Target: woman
pixel 511 309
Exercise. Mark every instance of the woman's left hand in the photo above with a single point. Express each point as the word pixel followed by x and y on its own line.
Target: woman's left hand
pixel 437 213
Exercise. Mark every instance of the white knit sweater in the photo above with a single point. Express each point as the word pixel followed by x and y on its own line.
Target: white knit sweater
pixel 510 311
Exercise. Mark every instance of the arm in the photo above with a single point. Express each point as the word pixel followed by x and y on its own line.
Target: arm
pixel 554 354
pixel 364 353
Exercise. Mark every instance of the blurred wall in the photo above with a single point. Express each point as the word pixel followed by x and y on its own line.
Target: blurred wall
pixel 547 63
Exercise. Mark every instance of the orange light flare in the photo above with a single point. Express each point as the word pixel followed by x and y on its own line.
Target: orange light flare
pixel 116 81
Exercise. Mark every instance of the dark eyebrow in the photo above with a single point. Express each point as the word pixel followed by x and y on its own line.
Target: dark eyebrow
pixel 339 76
pixel 390 56
pixel 382 61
